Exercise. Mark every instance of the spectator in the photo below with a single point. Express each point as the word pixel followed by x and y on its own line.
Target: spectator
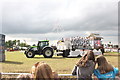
pixel 41 70
pixel 102 50
pixel 24 77
pixel 105 71
pixel 85 66
pixel 34 68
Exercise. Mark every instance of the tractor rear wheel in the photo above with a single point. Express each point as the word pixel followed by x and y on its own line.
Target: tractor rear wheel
pixel 48 52
pixel 30 54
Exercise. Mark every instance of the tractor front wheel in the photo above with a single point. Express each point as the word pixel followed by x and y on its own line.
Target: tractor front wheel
pixel 30 54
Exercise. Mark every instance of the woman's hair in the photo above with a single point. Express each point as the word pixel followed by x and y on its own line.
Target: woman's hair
pixel 103 65
pixel 44 72
pixel 24 77
pixel 34 67
pixel 89 56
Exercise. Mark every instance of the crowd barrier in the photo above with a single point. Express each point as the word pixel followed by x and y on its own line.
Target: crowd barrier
pixel 112 50
pixel 60 75
pixel 29 73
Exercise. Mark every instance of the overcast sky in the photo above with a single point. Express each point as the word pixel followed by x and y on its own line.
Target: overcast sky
pixel 34 20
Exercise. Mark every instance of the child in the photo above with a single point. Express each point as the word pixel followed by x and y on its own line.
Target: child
pixel 43 71
pixel 85 66
pixel 105 71
pixel 34 68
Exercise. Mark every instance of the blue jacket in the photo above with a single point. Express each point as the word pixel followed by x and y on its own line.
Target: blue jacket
pixel 107 76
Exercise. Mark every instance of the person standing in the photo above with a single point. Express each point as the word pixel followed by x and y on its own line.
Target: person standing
pixel 102 50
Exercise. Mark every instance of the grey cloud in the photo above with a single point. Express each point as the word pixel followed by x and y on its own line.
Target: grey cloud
pixel 40 17
pixel 23 18
pixel 36 19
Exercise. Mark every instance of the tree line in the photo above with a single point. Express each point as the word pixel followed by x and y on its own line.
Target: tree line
pixel 15 43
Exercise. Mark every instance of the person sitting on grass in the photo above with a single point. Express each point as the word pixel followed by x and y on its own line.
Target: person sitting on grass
pixel 24 77
pixel 42 70
pixel 85 67
pixel 105 71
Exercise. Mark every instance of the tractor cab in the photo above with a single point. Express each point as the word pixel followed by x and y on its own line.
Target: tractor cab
pixel 42 44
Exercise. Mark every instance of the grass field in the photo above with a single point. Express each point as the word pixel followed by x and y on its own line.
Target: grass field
pixel 17 62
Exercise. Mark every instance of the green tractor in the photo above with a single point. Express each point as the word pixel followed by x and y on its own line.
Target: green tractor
pixel 41 49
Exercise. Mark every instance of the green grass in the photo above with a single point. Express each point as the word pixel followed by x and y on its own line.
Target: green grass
pixel 17 62
pixel 112 52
